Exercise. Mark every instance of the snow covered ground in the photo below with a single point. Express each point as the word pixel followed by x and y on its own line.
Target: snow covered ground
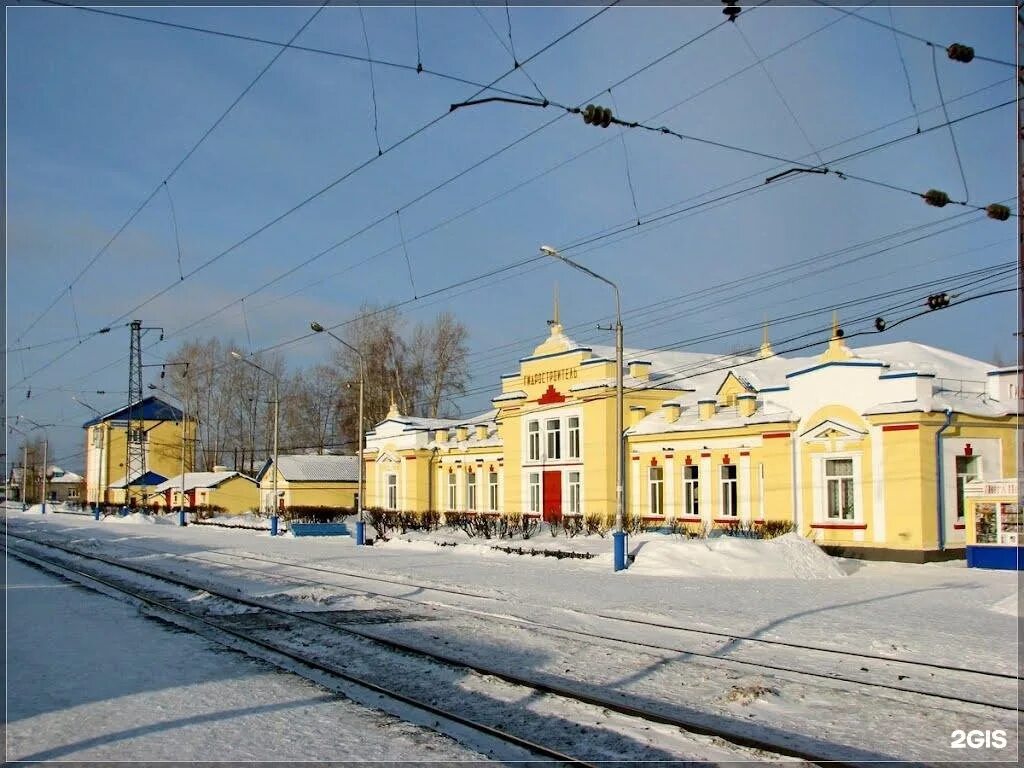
pixel 90 679
pixel 479 602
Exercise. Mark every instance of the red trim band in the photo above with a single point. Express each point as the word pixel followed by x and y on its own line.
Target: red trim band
pixel 899 427
pixel 958 526
pixel 770 435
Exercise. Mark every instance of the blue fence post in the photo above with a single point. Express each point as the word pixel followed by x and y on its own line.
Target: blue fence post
pixel 273 525
pixel 360 533
pixel 44 506
pixel 619 550
pixel 95 511
pixel 124 511
pixel 181 517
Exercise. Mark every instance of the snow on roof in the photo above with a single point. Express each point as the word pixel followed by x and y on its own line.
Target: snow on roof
pixel 200 480
pixel 723 418
pixel 58 475
pixel 313 468
pixel 966 403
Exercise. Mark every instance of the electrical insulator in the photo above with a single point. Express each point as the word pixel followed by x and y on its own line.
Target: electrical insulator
pixel 879 324
pixel 840 333
pixel 938 300
pixel 998 212
pixel 961 53
pixel 595 115
pixel 936 197
pixel 731 10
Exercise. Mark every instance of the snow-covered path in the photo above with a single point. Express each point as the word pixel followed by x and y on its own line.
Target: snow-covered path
pixel 90 679
pixel 897 611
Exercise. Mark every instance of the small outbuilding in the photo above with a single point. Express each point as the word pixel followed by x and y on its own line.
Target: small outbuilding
pixel 995 531
pixel 233 492
pixel 310 481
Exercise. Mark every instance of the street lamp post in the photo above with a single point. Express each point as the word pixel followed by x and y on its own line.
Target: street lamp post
pixel 184 418
pixel 360 523
pixel 277 406
pixel 46 444
pixel 619 536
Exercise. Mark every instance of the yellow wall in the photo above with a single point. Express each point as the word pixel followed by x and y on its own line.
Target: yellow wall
pixel 310 493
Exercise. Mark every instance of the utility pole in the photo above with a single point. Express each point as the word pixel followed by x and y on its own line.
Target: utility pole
pixel 1020 246
pixel 135 465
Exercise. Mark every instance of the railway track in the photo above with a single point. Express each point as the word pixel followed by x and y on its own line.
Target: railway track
pixel 254 628
pixel 896 668
pixel 923 713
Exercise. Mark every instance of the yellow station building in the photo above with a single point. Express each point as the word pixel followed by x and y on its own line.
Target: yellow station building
pixel 864 450
pixel 230 491
pixel 106 451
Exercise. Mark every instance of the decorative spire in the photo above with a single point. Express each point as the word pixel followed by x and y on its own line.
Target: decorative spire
pixel 393 412
pixel 766 346
pixel 837 349
pixel 557 320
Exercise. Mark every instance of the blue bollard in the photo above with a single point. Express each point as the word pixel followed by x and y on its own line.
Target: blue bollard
pixel 44 507
pixel 181 517
pixel 360 533
pixel 619 550
pixel 273 525
pixel 123 512
pixel 95 511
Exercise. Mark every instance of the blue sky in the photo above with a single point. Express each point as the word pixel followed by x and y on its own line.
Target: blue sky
pixel 100 110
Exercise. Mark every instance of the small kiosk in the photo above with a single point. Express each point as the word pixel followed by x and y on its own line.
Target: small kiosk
pixel 995 528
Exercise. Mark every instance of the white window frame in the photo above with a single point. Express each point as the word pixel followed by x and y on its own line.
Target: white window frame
pixel 471 491
pixel 492 491
pixel 656 491
pixel 533 440
pixel 553 438
pixel 391 490
pixel 962 478
pixel 453 492
pixel 573 430
pixel 691 491
pixel 574 483
pixel 842 479
pixel 533 490
pixel 728 503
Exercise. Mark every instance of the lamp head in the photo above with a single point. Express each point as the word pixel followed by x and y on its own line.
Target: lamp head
pixel 151 386
pixel 235 354
pixel 547 250
pixel 317 328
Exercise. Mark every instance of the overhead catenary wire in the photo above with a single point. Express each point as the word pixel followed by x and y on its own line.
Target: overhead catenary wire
pixel 910 35
pixel 778 91
pixel 952 134
pixel 139 208
pixel 373 86
pixel 331 185
pixel 903 66
pixel 658 60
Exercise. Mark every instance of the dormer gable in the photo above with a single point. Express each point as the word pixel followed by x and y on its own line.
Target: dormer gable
pixel 731 386
pixel 830 429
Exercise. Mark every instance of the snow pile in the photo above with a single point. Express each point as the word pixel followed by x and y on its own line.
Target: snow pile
pixel 787 557
pixel 137 518
pixel 248 519
pixel 1008 605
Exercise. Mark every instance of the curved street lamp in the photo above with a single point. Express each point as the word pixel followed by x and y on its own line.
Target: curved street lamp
pixel 277 405
pixel 360 523
pixel 619 536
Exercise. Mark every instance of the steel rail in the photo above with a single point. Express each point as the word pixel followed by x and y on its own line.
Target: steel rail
pixel 687 724
pixel 725 635
pixel 638 643
pixel 490 731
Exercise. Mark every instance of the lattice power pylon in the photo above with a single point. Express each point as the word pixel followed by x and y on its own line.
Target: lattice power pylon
pixel 135 466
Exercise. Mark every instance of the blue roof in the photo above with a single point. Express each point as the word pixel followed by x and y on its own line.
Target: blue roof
pixel 149 478
pixel 150 409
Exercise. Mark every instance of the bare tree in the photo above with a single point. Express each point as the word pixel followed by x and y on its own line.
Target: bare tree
pixel 439 360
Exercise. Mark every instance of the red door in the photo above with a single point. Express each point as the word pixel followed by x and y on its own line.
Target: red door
pixel 552 500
